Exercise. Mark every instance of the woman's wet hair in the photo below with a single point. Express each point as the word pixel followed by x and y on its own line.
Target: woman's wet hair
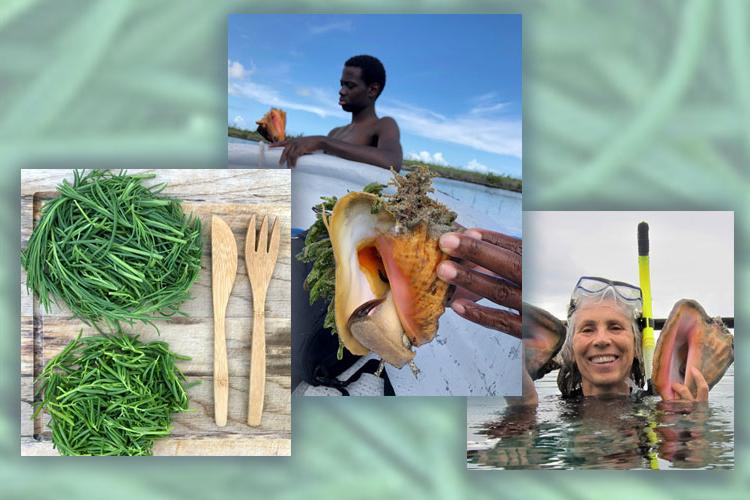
pixel 372 69
pixel 569 379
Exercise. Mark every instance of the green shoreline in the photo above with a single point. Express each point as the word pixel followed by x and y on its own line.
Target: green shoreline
pixel 505 182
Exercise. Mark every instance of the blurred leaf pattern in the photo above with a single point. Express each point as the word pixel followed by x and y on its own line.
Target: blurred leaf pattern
pixel 627 105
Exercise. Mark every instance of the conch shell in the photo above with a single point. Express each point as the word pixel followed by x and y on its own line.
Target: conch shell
pixel 543 336
pixel 691 338
pixel 273 125
pixel 388 296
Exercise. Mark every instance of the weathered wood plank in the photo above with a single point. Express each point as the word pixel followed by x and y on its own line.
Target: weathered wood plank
pixel 27 409
pixel 194 339
pixel 234 195
pixel 230 445
pixel 238 186
pixel 27 345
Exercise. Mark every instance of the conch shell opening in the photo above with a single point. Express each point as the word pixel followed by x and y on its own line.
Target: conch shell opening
pixel 273 125
pixel 388 296
pixel 690 338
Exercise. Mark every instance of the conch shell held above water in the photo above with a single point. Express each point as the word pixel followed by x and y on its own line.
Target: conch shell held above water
pixel 273 125
pixel 388 297
pixel 691 338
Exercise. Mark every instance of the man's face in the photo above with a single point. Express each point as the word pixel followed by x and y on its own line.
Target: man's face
pixel 354 94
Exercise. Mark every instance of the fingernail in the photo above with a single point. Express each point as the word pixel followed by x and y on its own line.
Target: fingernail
pixel 471 233
pixel 446 271
pixel 458 307
pixel 449 241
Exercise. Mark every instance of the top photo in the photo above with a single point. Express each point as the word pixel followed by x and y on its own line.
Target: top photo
pixel 404 136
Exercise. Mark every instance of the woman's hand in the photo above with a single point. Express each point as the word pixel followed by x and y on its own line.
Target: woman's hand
pixel 701 392
pixel 489 266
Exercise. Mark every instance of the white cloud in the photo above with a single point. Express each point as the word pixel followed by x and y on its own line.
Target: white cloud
pixel 238 121
pixel 484 98
pixel 236 71
pixel 267 95
pixel 487 109
pixel 426 157
pixel 486 104
pixel 475 166
pixel 319 29
pixel 493 135
pixel 326 98
pixel 240 85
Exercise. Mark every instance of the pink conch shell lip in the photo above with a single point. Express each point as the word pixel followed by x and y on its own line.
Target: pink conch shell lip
pixel 690 338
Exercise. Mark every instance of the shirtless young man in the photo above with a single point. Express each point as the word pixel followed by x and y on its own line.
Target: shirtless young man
pixel 367 139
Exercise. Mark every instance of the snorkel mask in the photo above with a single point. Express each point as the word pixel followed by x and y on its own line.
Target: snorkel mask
pixel 595 290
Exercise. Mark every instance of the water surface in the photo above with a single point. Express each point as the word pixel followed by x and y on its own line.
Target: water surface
pixel 620 433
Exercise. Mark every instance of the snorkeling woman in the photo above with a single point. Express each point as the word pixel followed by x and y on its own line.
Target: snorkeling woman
pixel 601 355
pixel 602 352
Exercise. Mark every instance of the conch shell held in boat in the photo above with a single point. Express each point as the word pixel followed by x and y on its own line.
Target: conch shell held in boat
pixel 691 338
pixel 388 295
pixel 273 125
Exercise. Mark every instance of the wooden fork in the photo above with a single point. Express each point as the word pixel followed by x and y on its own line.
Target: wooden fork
pixel 260 261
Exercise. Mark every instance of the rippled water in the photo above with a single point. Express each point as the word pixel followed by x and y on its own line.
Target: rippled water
pixel 502 207
pixel 602 434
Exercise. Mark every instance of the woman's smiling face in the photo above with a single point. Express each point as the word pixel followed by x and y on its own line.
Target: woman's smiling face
pixel 603 348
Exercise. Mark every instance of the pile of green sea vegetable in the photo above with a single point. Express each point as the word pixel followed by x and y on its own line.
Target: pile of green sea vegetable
pixel 111 395
pixel 113 250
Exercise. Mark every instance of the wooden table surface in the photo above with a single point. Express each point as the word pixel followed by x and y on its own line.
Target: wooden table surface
pixel 234 195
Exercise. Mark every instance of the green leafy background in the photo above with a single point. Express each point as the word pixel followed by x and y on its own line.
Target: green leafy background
pixel 627 105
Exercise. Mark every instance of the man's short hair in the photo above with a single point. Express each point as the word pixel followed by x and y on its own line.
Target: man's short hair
pixel 372 69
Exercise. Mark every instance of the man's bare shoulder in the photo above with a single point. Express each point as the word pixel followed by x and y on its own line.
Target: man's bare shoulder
pixel 335 131
pixel 387 125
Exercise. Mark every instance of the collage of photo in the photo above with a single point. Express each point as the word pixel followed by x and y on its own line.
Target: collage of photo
pixel 366 237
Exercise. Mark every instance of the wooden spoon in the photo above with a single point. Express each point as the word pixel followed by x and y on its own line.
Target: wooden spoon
pixel 260 260
pixel 223 274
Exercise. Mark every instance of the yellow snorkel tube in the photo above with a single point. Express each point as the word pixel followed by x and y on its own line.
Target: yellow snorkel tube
pixel 648 316
pixel 648 331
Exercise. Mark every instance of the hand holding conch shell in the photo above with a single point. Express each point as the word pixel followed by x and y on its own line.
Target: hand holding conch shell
pixel 683 393
pixel 490 268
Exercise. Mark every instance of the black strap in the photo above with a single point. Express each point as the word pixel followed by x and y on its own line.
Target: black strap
pixel 322 377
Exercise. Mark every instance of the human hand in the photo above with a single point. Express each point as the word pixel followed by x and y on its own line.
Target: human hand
pixel 489 267
pixel 701 388
pixel 294 148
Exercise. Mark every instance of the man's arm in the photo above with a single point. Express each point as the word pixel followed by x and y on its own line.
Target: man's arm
pixel 386 154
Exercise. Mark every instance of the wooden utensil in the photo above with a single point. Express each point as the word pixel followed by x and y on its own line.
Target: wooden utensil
pixel 223 274
pixel 260 260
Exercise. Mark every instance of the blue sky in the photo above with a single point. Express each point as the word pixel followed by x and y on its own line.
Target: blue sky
pixel 453 82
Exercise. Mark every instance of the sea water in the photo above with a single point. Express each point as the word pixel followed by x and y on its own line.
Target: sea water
pixel 602 434
pixel 501 208
pixel 476 205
